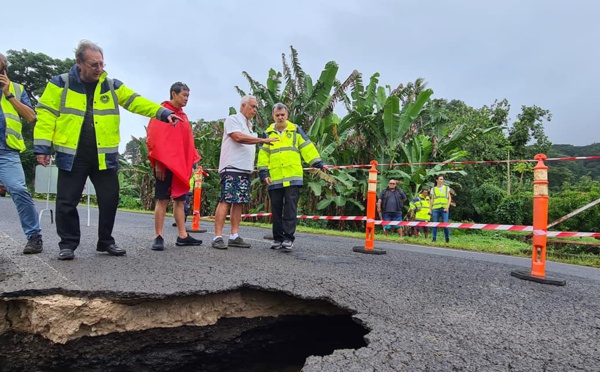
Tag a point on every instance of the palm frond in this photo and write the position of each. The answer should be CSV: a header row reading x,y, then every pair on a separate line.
x,y
240,92
298,72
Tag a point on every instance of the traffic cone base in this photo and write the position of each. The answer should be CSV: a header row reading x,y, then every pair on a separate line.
x,y
368,251
526,275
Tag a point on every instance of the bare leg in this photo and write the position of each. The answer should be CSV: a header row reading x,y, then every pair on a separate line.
x,y
179,214
220,215
159,215
235,218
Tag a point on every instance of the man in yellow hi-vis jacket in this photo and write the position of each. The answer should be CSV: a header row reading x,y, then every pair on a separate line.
x,y
78,114
280,166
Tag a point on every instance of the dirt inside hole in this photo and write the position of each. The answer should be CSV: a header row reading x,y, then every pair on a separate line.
x,y
239,339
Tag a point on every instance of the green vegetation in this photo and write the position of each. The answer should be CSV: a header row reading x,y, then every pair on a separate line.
x,y
352,122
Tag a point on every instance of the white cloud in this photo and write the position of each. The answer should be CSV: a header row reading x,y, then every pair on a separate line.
x,y
535,52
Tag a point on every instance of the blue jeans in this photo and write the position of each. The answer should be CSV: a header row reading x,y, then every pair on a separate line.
x,y
444,216
11,174
392,216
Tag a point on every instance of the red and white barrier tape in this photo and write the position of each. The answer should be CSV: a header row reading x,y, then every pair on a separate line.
x,y
452,225
452,162
460,162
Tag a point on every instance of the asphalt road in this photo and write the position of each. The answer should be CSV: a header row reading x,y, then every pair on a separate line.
x,y
427,308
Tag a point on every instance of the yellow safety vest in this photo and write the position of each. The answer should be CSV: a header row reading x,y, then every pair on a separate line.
x,y
421,206
283,159
13,136
441,197
61,111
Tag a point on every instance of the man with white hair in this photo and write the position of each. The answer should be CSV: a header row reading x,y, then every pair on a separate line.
x,y
236,163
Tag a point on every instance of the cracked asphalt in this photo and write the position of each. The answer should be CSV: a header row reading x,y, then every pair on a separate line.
x,y
427,308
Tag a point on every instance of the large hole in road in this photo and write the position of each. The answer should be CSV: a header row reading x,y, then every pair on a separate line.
x,y
242,330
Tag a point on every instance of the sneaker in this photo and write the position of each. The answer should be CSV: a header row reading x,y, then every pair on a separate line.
x,y
158,244
66,254
287,246
188,240
238,243
34,245
276,245
218,243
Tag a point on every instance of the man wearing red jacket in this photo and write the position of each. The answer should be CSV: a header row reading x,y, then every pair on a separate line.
x,y
172,154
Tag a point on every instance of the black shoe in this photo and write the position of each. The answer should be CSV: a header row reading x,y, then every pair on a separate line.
x,y
66,254
276,245
158,244
112,250
188,240
447,240
34,245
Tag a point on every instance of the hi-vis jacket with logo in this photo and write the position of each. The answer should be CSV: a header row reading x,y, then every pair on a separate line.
x,y
282,160
61,111
14,138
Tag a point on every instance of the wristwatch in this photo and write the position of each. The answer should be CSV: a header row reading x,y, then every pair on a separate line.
x,y
10,96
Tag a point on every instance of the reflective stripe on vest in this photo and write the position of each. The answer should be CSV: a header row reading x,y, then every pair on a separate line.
x,y
440,198
13,136
66,110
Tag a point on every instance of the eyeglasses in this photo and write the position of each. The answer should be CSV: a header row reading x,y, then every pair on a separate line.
x,y
96,65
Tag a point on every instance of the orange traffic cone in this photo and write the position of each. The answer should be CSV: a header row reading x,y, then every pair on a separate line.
x,y
540,227
371,201
197,196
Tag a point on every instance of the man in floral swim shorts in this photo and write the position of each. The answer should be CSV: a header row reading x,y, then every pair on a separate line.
x,y
238,150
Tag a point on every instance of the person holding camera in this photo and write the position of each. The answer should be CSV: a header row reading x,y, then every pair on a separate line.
x,y
15,105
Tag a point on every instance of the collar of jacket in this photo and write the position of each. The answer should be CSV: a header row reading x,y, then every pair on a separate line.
x,y
179,112
75,70
291,127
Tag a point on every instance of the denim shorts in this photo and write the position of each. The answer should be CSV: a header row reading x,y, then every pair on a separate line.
x,y
392,216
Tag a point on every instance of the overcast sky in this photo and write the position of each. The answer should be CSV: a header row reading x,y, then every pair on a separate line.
x,y
536,52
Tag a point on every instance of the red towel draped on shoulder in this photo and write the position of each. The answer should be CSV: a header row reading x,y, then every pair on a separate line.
x,y
174,147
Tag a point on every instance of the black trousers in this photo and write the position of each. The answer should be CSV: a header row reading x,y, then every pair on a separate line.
x,y
284,206
69,192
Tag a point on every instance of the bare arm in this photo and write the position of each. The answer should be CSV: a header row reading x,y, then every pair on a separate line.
x,y
245,139
23,110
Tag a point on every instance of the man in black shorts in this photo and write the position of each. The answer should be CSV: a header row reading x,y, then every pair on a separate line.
x,y
172,154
